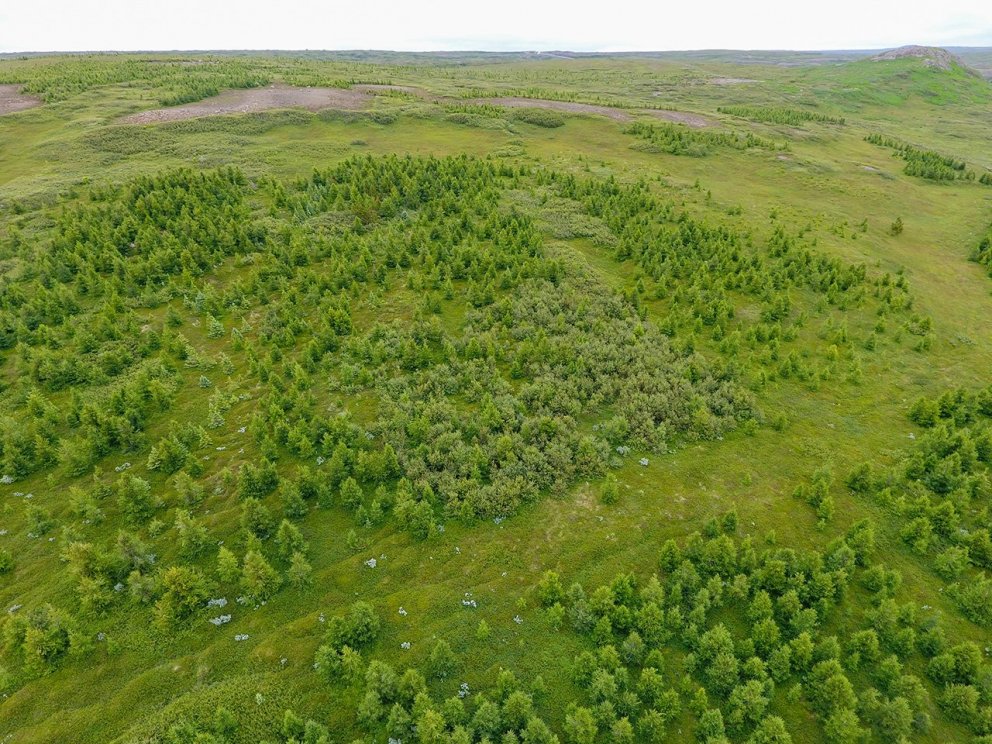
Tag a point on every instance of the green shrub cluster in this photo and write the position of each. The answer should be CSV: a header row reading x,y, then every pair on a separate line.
x,y
392,337
724,640
676,139
224,728
704,276
539,117
924,163
176,80
534,351
179,79
753,628
941,491
983,251
779,115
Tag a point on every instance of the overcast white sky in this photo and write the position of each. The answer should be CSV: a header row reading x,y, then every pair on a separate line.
x,y
605,25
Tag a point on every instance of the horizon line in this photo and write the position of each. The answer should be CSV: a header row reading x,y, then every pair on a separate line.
x,y
556,50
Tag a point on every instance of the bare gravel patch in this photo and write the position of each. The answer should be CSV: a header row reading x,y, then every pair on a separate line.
x,y
11,99
253,100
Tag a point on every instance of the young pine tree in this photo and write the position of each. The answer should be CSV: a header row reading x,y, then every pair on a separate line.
x,y
259,580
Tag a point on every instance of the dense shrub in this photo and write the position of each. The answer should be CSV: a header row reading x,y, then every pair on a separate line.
x,y
779,115
539,117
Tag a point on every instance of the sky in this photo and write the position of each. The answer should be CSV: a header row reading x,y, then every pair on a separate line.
x,y
500,25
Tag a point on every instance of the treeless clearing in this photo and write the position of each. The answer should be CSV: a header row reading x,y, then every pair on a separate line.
x,y
251,100
11,99
679,117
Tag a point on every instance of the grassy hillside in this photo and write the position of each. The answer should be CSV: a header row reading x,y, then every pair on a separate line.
x,y
444,421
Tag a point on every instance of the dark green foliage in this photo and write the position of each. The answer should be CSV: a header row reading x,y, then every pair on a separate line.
x,y
539,117
289,540
226,729
941,489
300,572
610,491
983,251
358,628
441,662
550,590
184,592
676,139
779,115
254,482
176,81
192,535
391,705
175,450
704,277
134,499
256,519
748,625
565,349
6,562
42,636
924,163
259,580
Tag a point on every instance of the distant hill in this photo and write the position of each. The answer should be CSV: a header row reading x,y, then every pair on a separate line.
x,y
977,58
970,58
932,57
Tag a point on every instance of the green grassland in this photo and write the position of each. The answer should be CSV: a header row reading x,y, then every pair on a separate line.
x,y
523,309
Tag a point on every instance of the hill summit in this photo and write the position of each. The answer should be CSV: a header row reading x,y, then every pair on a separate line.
x,y
931,56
